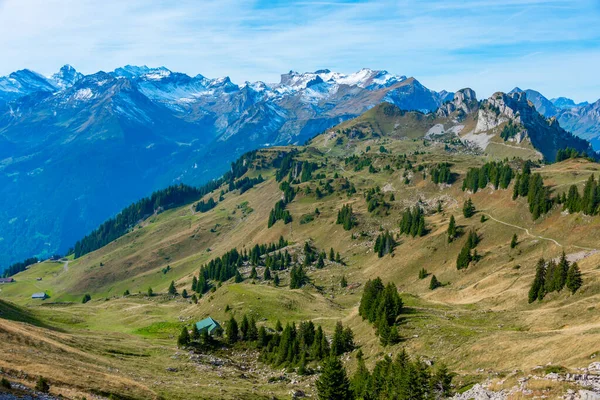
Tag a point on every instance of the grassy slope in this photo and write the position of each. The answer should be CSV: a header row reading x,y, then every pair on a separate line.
x,y
481,312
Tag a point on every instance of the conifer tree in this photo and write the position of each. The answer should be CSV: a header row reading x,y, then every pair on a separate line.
x,y
343,282
238,277
184,294
278,326
337,342
331,255
253,273
194,283
423,273
320,262
468,208
561,273
267,274
172,290
338,259
195,333
244,325
276,280
232,331
537,290
514,241
333,383
452,229
361,379
150,292
184,338
574,280
434,284
464,257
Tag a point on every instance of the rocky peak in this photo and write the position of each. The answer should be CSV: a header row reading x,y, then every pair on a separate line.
x,y
463,102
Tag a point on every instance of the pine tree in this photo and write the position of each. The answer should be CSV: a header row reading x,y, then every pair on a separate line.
x,y
195,333
361,380
338,259
253,273
574,280
464,257
267,274
150,292
172,291
331,255
184,338
514,241
423,273
232,331
238,277
537,290
343,282
276,280
434,284
337,342
184,294
468,208
320,262
252,329
333,383
194,283
452,229
86,298
561,273
441,383
126,293
278,326
244,325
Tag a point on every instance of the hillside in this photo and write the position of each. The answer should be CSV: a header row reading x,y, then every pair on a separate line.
x,y
136,129
127,343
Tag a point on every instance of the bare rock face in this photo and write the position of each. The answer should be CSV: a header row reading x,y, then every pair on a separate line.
x,y
464,102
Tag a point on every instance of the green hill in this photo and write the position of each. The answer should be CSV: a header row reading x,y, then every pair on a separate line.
x,y
381,164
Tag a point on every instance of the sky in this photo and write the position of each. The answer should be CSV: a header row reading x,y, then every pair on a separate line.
x,y
489,45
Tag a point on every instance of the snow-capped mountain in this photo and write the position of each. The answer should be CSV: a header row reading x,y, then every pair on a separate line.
x,y
75,149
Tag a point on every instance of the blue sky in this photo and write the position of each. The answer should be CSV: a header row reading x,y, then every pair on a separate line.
x,y
551,46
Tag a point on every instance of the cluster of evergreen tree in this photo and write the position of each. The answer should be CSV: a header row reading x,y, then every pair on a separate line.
x,y
298,277
381,305
441,173
551,277
359,163
284,165
398,379
296,346
375,199
568,152
19,267
279,212
499,174
509,131
222,268
345,217
307,169
465,256
245,183
532,186
203,206
413,222
588,203
384,244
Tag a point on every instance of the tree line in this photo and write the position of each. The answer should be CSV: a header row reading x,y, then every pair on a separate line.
x,y
440,173
19,267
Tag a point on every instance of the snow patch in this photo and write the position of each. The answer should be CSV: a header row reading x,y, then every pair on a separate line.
x,y
83,94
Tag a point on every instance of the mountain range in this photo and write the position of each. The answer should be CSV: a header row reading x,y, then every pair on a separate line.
x,y
75,149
